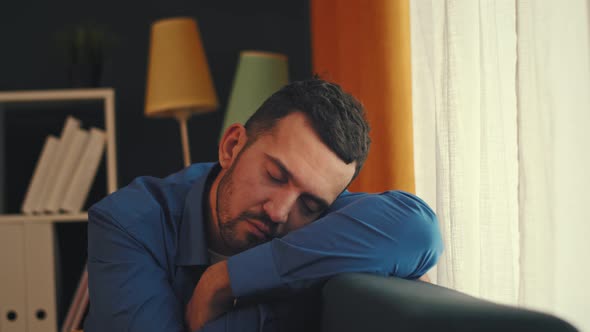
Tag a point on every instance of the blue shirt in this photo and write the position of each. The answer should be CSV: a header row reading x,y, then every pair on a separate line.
x,y
147,249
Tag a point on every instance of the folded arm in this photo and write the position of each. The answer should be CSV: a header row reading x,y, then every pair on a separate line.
x,y
390,234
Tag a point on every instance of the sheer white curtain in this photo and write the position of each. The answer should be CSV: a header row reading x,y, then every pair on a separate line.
x,y
536,105
471,50
501,116
559,36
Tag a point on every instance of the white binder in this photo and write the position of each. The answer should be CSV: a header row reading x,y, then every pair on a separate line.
x,y
69,163
82,178
66,139
40,175
13,317
40,278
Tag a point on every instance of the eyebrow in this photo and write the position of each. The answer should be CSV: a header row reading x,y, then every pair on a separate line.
x,y
318,200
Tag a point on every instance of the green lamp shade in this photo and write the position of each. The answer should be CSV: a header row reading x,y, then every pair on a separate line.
x,y
259,75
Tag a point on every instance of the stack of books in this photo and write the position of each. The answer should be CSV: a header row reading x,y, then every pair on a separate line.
x,y
65,170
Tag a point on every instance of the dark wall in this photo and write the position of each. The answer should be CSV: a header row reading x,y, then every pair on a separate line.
x,y
31,59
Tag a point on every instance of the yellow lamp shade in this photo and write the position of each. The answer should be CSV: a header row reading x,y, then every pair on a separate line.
x,y
179,81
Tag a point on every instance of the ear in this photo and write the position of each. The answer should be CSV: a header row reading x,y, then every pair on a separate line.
x,y
233,141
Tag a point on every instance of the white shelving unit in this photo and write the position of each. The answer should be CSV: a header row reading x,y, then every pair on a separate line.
x,y
27,242
107,96
43,218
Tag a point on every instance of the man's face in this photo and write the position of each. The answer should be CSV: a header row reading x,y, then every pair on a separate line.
x,y
279,183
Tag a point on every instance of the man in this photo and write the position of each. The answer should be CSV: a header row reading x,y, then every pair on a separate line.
x,y
201,248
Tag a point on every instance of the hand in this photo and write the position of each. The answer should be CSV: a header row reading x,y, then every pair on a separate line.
x,y
211,298
425,278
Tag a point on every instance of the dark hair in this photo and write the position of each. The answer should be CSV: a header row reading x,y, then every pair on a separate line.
x,y
336,116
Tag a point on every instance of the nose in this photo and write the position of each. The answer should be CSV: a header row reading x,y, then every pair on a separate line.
x,y
279,205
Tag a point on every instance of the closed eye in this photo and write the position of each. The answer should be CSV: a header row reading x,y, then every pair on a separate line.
x,y
311,207
275,179
306,210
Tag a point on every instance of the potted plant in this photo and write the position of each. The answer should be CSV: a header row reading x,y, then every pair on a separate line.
x,y
85,46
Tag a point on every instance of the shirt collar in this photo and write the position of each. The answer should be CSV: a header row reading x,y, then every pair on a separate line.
x,y
192,241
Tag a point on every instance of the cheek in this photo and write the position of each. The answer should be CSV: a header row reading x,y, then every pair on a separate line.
x,y
248,193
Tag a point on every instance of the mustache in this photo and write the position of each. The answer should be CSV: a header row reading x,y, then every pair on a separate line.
x,y
262,217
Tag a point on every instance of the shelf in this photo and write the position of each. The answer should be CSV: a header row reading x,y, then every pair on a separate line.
x,y
43,218
107,95
30,244
55,95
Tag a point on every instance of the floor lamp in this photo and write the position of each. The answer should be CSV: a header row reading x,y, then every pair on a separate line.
x,y
179,82
259,75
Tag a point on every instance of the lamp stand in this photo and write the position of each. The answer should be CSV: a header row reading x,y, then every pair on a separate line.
x,y
182,118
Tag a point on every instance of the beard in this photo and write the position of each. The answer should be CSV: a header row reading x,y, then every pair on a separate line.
x,y
228,226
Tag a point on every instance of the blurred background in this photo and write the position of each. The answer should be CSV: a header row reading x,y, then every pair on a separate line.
x,y
33,57
36,38
479,107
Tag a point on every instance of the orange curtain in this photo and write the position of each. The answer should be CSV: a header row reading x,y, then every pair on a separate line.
x,y
365,47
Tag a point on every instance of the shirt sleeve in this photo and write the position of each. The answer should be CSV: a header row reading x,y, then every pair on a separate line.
x,y
129,291
392,234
